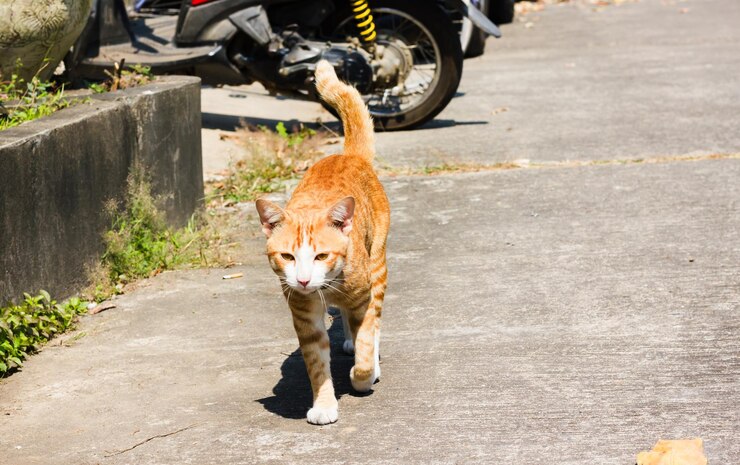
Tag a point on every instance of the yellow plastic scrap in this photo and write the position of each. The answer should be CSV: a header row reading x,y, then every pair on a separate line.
x,y
674,452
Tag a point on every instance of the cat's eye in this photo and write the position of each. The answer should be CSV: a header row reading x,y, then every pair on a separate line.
x,y
287,257
322,256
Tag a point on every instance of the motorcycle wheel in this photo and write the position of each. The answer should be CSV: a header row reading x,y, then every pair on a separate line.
x,y
472,39
426,35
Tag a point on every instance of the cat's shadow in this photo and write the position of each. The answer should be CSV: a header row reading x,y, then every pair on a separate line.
x,y
292,395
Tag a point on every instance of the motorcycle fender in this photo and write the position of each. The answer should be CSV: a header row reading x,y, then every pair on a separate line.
x,y
476,16
222,31
253,21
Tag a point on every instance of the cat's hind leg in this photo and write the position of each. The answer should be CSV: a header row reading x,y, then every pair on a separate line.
x,y
376,353
366,369
366,321
349,344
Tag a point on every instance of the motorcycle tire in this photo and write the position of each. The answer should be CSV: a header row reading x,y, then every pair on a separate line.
x,y
477,44
447,41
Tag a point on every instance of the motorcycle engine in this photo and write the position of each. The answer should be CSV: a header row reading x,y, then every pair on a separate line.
x,y
352,63
384,68
357,71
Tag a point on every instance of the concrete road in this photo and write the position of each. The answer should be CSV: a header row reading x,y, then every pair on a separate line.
x,y
571,314
636,80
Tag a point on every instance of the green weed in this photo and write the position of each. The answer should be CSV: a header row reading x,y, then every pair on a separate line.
x,y
294,138
97,88
29,101
125,77
26,327
140,244
22,101
272,160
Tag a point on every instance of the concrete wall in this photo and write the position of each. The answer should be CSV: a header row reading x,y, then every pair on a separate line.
x,y
57,173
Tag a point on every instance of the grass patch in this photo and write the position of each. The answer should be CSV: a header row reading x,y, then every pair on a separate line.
x,y
140,244
30,100
24,328
447,168
272,161
123,78
452,168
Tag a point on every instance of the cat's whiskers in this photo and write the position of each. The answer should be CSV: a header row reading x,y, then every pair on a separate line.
x,y
286,287
330,285
323,300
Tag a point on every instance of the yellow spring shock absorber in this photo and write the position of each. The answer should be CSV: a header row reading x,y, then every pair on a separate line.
x,y
365,24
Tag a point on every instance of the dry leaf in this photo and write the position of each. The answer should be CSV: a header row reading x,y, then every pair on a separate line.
x,y
101,307
674,452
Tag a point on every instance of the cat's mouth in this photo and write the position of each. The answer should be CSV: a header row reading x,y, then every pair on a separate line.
x,y
306,291
312,289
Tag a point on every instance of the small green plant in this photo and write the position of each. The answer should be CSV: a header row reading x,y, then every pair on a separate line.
x,y
271,162
145,71
24,328
294,138
30,100
97,87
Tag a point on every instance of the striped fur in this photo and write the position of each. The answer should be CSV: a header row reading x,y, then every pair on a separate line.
x,y
359,138
327,246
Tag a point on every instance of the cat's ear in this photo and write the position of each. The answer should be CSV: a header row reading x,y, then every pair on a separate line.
x,y
341,214
270,215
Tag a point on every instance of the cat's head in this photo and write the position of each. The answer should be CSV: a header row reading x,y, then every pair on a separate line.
x,y
307,249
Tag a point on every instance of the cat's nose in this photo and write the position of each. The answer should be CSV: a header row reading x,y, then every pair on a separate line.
x,y
303,283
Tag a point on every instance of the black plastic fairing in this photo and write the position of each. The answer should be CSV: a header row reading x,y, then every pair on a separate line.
x,y
193,20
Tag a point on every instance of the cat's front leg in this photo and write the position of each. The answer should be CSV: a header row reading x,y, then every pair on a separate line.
x,y
308,322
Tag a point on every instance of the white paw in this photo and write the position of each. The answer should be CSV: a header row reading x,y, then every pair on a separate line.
x,y
363,385
348,347
322,415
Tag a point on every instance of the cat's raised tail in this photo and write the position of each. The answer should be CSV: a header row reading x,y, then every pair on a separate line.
x,y
358,125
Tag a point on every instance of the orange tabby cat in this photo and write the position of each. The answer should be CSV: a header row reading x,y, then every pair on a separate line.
x,y
327,246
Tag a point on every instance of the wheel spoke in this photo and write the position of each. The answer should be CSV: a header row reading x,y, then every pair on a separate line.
x,y
396,28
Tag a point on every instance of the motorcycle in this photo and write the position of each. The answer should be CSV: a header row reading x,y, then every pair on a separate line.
x,y
403,56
